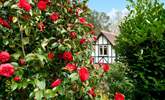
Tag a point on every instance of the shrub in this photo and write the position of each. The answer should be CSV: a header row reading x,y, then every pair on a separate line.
x,y
45,46
117,81
141,45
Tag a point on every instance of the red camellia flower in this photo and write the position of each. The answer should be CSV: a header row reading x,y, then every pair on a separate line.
x,y
73,35
82,41
56,83
50,55
41,26
92,92
22,61
42,5
119,96
82,20
70,67
67,56
17,78
4,56
4,23
54,16
6,70
24,4
83,73
105,67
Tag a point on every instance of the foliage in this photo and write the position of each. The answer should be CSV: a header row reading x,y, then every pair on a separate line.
x,y
49,43
141,45
100,20
117,81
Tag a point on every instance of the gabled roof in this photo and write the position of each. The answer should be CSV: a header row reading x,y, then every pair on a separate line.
x,y
111,37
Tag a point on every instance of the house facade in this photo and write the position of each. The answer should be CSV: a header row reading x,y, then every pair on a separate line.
x,y
104,48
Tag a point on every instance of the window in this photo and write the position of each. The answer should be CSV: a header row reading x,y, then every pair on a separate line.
x,y
103,50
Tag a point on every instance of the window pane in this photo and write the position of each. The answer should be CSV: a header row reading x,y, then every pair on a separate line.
x,y
101,50
105,51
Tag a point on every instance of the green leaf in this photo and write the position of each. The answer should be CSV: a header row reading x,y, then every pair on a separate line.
x,y
27,31
25,40
16,55
40,84
39,95
5,42
73,77
49,93
44,43
14,86
15,64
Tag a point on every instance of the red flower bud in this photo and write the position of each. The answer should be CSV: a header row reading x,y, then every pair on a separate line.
x,y
90,25
73,35
10,18
70,67
82,41
67,56
4,23
92,92
78,11
105,67
41,26
92,32
60,56
54,16
26,17
95,38
22,61
4,56
119,96
6,70
17,78
91,60
42,5
69,10
83,74
50,55
56,83
82,20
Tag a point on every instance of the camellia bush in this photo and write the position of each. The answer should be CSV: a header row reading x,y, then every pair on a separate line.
x,y
45,49
141,45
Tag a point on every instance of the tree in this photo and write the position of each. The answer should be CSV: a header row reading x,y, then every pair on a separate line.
x,y
141,44
45,46
101,21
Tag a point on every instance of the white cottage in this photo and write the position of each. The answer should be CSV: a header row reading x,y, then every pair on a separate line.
x,y
104,48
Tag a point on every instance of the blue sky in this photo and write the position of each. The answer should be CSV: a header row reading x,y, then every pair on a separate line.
x,y
108,5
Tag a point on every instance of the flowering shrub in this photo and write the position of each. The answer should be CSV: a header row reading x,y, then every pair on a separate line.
x,y
45,49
